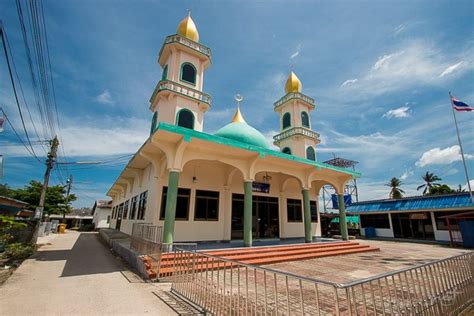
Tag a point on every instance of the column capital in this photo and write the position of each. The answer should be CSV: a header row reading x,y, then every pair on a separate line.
x,y
174,170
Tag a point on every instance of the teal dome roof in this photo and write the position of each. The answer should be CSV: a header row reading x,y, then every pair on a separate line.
x,y
240,131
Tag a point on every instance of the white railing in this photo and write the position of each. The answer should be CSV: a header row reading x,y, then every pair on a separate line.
x,y
296,131
181,89
189,43
227,287
294,95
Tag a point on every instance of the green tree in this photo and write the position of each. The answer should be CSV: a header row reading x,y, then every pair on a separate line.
x,y
395,191
5,190
55,201
441,189
430,182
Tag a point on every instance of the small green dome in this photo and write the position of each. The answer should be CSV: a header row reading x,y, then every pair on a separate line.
x,y
244,133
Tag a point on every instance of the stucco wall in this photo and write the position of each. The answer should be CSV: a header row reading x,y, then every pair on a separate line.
x,y
100,217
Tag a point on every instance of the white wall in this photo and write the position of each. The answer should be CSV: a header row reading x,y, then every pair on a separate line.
x,y
100,217
440,235
381,232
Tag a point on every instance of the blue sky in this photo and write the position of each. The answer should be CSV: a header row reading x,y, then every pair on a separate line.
x,y
380,72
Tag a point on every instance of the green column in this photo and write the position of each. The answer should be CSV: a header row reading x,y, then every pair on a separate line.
x,y
248,213
170,211
342,217
307,216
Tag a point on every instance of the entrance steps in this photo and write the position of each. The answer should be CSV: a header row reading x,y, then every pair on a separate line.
x,y
268,255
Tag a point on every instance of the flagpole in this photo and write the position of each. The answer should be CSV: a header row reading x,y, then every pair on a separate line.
x,y
460,147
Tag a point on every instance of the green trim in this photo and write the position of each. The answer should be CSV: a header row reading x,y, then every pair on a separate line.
x,y
283,127
248,213
186,110
170,210
342,217
181,74
233,143
153,122
164,75
307,216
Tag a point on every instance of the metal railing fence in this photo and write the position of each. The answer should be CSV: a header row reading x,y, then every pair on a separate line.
x,y
226,287
146,238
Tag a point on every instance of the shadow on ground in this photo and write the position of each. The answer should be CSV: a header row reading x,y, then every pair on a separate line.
x,y
87,256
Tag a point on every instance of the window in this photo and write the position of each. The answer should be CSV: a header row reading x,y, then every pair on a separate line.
x,y
305,119
286,121
207,206
310,154
188,73
133,207
313,205
185,118
113,212
442,223
120,211
294,210
108,219
142,205
375,220
182,204
153,122
286,150
125,210
164,76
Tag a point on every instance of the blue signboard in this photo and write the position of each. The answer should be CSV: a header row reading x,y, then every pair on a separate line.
x,y
261,187
335,201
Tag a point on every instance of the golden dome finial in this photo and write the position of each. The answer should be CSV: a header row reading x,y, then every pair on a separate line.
x,y
293,84
188,29
238,118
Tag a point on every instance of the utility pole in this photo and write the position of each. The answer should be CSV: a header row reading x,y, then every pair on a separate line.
x,y
69,183
54,143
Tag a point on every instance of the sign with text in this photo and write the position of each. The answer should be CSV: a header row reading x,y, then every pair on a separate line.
x,y
261,187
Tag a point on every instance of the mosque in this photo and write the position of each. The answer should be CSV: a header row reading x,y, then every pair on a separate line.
x,y
227,186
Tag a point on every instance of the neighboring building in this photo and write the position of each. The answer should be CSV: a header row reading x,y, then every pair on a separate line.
x,y
101,211
77,217
224,186
419,217
12,207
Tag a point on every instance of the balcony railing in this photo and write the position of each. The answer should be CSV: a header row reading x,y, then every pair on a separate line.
x,y
294,95
189,43
181,89
295,131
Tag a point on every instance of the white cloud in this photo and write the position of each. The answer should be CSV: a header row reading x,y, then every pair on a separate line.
x,y
105,97
269,136
349,82
297,52
406,175
438,156
451,69
465,187
398,113
384,61
402,27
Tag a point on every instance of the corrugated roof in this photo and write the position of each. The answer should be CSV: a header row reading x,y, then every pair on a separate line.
x,y
418,203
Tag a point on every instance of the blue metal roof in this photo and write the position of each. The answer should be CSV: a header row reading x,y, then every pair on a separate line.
x,y
418,203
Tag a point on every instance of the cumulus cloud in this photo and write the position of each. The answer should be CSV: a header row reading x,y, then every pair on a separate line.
x,y
451,69
297,52
349,82
104,98
401,112
406,175
438,156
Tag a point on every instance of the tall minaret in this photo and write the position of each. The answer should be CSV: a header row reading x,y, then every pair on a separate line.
x,y
296,136
178,98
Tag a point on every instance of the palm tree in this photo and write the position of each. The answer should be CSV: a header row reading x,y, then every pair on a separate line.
x,y
395,192
430,182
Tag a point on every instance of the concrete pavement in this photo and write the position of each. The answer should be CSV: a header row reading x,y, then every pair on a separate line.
x,y
77,275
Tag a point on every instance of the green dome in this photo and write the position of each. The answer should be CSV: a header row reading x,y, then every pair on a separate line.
x,y
244,133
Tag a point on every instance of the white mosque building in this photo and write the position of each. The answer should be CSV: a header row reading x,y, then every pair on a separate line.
x,y
227,186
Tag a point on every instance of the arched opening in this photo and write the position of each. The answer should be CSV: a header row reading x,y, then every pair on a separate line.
x,y
310,153
286,121
185,118
188,73
164,76
286,150
153,122
305,119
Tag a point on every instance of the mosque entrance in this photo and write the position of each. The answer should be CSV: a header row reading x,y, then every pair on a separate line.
x,y
265,218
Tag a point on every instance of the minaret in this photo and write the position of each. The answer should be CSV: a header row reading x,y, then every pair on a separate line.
x,y
296,136
178,98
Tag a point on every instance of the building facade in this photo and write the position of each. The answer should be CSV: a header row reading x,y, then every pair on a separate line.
x,y
101,212
224,186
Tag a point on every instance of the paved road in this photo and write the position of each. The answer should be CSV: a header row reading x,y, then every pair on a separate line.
x,y
76,274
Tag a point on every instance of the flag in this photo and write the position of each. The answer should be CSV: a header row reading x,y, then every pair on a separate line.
x,y
460,106
1,123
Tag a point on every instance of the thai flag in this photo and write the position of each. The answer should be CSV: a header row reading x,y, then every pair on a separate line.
x,y
460,106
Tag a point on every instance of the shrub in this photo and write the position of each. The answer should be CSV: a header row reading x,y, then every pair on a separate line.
x,y
18,251
86,228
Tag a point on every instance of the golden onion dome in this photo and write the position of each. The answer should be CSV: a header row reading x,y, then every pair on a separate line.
x,y
188,29
293,84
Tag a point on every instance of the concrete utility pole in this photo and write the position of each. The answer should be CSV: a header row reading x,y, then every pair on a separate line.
x,y
69,184
49,166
